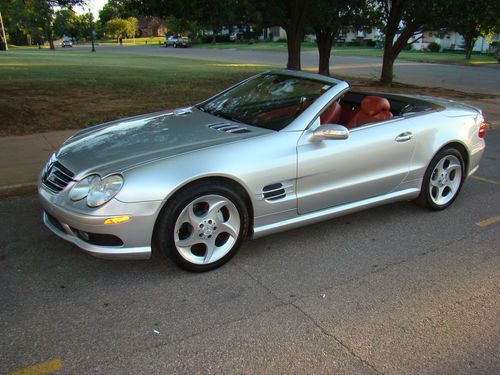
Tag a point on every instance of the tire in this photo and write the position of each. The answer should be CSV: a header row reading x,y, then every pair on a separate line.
x,y
443,180
202,226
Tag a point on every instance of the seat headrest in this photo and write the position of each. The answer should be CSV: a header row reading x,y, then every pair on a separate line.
x,y
372,105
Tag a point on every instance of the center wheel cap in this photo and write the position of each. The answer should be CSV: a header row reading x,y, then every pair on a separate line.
x,y
207,228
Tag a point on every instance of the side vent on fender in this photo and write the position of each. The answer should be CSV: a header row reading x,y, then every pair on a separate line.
x,y
276,191
228,128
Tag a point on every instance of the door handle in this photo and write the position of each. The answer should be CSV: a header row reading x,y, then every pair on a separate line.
x,y
403,137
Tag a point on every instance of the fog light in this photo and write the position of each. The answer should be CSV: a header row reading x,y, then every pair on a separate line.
x,y
117,220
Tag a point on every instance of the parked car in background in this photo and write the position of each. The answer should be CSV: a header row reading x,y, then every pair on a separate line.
x,y
177,41
277,151
66,43
235,36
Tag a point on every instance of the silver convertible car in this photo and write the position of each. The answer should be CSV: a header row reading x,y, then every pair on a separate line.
x,y
277,151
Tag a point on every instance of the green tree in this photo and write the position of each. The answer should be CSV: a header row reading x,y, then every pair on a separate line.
x,y
401,20
133,26
214,14
328,19
472,19
291,15
113,9
119,28
66,22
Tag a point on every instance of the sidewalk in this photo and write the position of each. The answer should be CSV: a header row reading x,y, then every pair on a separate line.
x,y
23,157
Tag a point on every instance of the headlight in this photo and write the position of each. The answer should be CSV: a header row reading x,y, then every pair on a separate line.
x,y
81,189
98,191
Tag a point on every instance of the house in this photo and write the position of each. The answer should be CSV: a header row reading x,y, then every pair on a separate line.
x,y
152,26
362,37
452,41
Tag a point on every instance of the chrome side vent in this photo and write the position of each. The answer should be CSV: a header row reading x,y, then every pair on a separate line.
x,y
228,128
276,191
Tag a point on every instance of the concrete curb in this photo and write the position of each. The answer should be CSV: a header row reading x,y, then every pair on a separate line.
x,y
18,190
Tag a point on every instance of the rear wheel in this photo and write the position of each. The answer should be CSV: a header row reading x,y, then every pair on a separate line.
x,y
202,226
442,180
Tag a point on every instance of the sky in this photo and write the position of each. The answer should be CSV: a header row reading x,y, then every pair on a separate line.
x,y
95,6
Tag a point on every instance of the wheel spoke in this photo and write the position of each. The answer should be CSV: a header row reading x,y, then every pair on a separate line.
x,y
434,182
210,244
440,166
229,228
440,192
187,242
188,216
215,207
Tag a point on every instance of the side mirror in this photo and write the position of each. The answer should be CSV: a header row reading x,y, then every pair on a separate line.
x,y
330,131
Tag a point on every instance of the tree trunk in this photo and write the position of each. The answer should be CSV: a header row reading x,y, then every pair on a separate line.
x,y
51,43
293,41
324,39
469,45
295,32
389,55
214,35
387,67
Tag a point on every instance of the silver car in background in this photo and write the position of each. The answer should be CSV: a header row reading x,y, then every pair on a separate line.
x,y
277,151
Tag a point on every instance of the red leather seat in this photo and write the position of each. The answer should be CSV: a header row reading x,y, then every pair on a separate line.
x,y
332,114
373,109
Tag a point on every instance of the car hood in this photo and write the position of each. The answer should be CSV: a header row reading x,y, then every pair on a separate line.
x,y
119,145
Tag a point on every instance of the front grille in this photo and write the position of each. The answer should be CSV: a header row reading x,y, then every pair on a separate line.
x,y
57,177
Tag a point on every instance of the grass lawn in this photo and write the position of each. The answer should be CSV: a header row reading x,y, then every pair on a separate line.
x,y
440,57
45,90
42,90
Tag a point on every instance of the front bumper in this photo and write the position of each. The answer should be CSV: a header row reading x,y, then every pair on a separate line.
x,y
129,240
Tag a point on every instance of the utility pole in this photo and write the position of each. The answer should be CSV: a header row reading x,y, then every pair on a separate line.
x,y
3,33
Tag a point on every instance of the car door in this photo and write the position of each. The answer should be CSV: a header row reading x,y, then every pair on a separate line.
x,y
372,161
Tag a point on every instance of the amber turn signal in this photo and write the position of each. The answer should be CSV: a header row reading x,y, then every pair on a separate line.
x,y
117,220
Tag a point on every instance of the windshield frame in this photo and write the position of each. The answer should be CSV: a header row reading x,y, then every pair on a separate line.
x,y
335,87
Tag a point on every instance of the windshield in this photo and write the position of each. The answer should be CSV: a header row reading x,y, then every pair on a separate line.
x,y
270,101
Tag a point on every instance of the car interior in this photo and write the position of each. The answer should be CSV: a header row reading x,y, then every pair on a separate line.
x,y
352,110
355,109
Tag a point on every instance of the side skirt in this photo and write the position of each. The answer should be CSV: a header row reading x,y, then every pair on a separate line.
x,y
330,213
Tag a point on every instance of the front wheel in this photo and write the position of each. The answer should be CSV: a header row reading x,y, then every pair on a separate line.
x,y
202,226
442,180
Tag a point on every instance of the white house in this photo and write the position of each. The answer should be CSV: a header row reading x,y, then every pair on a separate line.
x,y
451,41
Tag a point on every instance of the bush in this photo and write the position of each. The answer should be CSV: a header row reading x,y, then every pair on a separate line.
x,y
434,47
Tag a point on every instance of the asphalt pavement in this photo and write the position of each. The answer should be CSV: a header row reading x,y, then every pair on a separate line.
x,y
473,79
396,290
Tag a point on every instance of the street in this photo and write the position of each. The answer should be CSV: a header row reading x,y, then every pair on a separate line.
x,y
395,290
474,79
